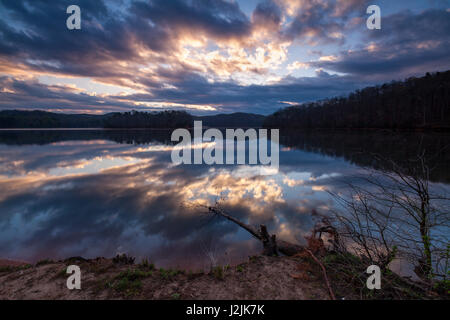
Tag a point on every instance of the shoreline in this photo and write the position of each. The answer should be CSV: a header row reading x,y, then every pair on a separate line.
x,y
298,277
260,278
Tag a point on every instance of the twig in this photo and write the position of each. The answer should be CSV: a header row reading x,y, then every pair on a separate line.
x,y
324,274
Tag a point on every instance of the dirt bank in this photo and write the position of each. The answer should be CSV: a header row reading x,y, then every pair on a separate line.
x,y
300,277
260,278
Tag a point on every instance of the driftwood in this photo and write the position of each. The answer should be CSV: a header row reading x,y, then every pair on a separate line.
x,y
271,245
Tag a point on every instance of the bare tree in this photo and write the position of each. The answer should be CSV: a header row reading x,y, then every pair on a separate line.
x,y
395,212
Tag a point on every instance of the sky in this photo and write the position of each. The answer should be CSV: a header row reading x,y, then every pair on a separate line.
x,y
210,56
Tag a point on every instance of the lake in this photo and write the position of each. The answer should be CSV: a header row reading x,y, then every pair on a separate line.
x,y
94,193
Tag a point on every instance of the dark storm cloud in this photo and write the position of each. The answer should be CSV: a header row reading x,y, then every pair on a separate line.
x,y
267,14
408,44
324,21
36,31
216,18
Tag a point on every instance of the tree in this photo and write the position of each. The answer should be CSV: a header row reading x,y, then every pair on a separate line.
x,y
396,213
413,103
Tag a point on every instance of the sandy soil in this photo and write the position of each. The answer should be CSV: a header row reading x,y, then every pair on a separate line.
x,y
260,278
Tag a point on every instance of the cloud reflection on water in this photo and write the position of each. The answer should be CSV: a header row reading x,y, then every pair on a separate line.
x,y
97,197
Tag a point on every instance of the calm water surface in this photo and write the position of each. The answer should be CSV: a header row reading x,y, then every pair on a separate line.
x,y
97,193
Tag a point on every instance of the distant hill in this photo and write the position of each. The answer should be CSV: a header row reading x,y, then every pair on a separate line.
x,y
42,119
233,120
416,103
133,119
155,120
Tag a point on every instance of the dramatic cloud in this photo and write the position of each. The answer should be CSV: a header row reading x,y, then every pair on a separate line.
x,y
189,94
408,44
317,21
209,55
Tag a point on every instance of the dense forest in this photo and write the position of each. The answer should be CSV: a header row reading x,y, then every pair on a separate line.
x,y
416,103
135,119
181,119
42,119
126,120
233,120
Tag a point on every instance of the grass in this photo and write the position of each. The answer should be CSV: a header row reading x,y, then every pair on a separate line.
x,y
134,274
62,273
442,287
146,265
129,288
43,262
218,272
100,269
348,276
168,274
6,269
129,282
176,296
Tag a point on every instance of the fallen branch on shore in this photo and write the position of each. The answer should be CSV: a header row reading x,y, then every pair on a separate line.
x,y
346,270
271,245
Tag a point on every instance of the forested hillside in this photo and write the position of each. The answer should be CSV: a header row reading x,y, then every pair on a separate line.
x,y
135,119
233,120
42,119
125,120
410,104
